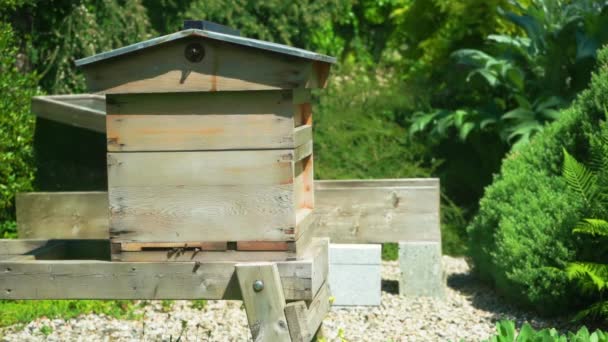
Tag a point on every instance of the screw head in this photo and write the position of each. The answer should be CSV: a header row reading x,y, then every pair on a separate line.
x,y
258,285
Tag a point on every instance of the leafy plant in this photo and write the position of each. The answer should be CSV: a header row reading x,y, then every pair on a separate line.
x,y
591,277
520,84
16,129
506,332
526,216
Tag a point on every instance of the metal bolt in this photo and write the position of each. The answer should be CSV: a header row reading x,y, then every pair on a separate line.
x,y
258,285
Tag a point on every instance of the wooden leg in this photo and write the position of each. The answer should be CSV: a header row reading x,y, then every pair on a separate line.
x,y
264,301
296,313
305,323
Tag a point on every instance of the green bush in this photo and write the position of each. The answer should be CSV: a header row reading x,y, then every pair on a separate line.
x,y
506,333
16,129
526,215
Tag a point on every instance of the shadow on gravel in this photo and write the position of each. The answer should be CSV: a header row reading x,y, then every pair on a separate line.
x,y
390,286
484,298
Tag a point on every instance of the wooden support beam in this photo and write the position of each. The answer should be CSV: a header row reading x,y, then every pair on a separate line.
x,y
264,301
362,211
85,111
296,315
96,279
304,322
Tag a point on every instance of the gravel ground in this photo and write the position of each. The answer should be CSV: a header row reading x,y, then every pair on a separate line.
x,y
468,312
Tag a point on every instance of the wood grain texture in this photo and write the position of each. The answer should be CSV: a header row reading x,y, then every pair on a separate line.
x,y
296,315
51,215
378,211
346,211
200,168
204,121
85,111
266,308
202,196
225,67
86,279
318,308
209,213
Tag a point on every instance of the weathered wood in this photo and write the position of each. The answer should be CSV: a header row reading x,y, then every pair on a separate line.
x,y
265,307
304,322
346,211
212,213
85,111
318,251
296,315
378,211
164,68
55,215
302,134
318,308
210,196
84,277
200,168
21,246
303,183
204,121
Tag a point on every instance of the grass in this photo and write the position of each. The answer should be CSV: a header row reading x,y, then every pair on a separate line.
x,y
24,311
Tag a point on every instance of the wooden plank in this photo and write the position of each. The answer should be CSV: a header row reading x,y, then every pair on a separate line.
x,y
296,315
378,211
212,213
207,196
201,121
224,67
17,247
56,215
318,251
318,308
302,135
85,111
263,167
265,306
346,211
303,184
88,279
303,151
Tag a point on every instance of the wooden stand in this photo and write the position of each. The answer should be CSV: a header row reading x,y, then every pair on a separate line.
x,y
79,269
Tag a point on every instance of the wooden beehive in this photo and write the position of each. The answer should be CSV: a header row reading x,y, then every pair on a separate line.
x,y
209,146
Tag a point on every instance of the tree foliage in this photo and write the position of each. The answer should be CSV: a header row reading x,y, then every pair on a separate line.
x,y
16,127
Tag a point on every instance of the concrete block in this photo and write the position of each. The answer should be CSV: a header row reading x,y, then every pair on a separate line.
x,y
421,269
354,274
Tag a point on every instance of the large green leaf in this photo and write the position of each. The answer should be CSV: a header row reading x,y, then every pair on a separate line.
x,y
580,179
592,227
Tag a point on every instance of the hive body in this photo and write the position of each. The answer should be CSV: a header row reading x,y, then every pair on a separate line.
x,y
209,155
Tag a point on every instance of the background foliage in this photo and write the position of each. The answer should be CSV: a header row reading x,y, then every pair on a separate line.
x,y
523,229
442,88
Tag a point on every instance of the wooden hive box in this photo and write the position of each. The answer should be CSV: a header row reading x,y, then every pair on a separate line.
x,y
209,139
